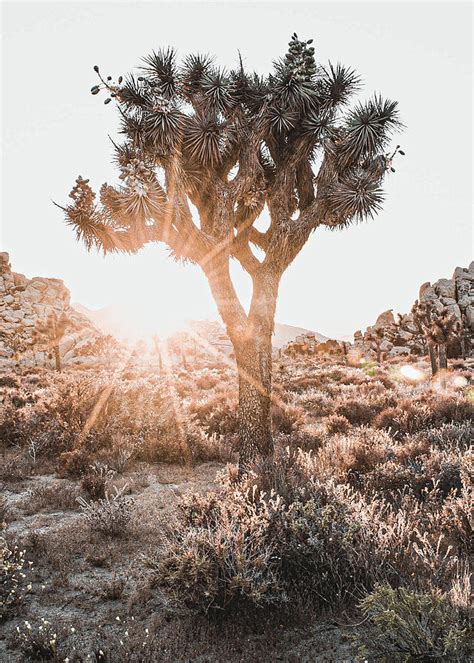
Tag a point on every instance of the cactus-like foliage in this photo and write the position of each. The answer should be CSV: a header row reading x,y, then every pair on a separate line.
x,y
49,333
439,326
197,121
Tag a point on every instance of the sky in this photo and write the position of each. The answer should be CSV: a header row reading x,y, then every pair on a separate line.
x,y
53,129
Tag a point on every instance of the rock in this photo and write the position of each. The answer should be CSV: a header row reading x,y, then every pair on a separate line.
x,y
428,293
455,295
399,350
25,301
470,316
405,335
385,319
19,280
4,260
423,289
67,344
39,283
445,288
448,301
385,346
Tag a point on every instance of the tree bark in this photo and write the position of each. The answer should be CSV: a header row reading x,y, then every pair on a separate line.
x,y
433,360
251,337
57,358
443,361
254,366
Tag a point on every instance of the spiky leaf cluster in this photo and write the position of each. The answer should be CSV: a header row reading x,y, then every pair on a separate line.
x,y
439,323
199,125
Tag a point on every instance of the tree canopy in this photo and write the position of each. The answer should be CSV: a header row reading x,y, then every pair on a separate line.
x,y
229,143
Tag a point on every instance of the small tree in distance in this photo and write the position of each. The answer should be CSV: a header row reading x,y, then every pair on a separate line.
x,y
231,144
440,327
49,333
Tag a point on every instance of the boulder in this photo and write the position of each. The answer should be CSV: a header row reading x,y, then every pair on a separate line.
x,y
19,280
399,350
445,288
385,319
25,301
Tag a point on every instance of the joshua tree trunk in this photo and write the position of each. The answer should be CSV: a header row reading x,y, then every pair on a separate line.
x,y
443,361
254,366
433,359
251,337
57,358
443,364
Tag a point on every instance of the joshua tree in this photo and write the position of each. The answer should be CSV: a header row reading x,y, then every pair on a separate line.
x,y
50,332
440,326
16,343
375,337
157,349
232,144
105,346
418,315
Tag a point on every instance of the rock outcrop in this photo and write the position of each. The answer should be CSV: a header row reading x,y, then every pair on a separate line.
x,y
397,337
24,302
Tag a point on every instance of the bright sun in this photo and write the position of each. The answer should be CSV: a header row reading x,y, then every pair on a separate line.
x,y
136,319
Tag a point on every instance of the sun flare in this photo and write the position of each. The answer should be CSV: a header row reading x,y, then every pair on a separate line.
x,y
411,373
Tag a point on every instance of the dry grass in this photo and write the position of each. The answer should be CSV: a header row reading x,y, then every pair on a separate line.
x,y
366,506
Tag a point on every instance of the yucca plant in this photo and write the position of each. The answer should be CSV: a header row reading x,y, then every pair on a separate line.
x,y
49,333
440,327
231,143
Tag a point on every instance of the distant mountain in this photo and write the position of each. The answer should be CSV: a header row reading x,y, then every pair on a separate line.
x,y
285,333
111,320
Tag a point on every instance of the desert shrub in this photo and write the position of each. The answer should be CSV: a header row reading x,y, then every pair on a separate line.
x,y
405,419
95,482
112,588
13,580
409,626
15,468
314,403
336,424
74,463
9,381
308,437
58,495
4,511
287,473
458,435
357,412
220,556
110,516
40,642
347,457
201,447
250,545
206,380
285,419
451,409
216,414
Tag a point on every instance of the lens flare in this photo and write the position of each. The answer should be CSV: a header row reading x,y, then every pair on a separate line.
x,y
411,373
459,381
